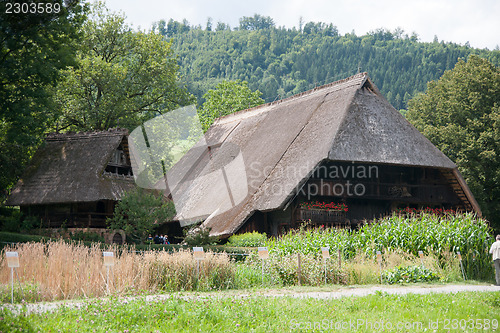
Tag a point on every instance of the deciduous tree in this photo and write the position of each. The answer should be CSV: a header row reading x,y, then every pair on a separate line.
x,y
256,22
139,211
123,77
34,46
460,114
228,97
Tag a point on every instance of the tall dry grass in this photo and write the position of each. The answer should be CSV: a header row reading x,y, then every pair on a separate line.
x,y
64,271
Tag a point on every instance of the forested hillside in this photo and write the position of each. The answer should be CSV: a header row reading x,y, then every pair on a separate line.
x,y
280,62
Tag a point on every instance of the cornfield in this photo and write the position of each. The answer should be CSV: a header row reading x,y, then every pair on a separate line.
x,y
432,234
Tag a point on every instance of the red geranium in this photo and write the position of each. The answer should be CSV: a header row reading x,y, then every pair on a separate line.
x,y
339,207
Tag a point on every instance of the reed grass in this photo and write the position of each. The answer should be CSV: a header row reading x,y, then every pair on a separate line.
x,y
64,271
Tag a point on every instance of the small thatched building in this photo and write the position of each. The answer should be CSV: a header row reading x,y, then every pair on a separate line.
x,y
75,179
340,144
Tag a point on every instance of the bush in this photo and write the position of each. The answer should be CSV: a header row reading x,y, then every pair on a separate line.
x,y
249,239
87,237
409,274
11,222
12,237
139,211
30,222
197,236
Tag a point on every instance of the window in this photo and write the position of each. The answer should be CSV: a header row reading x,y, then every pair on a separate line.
x,y
118,163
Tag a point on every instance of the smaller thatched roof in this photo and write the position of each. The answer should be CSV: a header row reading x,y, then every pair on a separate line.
x,y
70,168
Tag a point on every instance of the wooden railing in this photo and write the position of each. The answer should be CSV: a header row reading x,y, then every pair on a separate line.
x,y
322,216
89,219
411,193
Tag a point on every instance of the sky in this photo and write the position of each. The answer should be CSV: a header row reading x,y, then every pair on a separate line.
x,y
458,21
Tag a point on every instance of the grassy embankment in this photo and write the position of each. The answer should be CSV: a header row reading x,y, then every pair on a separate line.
x,y
191,313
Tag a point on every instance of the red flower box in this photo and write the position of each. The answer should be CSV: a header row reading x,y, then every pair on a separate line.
x,y
338,207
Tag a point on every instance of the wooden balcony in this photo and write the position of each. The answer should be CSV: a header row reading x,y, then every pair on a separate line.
x,y
76,220
328,218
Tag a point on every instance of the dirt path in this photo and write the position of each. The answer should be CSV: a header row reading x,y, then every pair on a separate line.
x,y
337,292
396,290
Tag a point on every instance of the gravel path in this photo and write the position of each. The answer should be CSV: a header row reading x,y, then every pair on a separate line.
x,y
334,294
396,290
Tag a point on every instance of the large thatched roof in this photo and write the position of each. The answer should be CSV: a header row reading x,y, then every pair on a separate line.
x,y
270,150
70,168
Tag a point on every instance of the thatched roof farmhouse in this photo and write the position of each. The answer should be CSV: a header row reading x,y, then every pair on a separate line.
x,y
76,178
308,148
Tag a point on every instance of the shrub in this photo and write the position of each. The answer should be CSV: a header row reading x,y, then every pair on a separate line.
x,y
139,211
12,237
249,239
87,237
30,222
409,274
12,223
198,235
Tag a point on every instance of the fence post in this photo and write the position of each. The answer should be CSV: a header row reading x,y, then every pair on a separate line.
x,y
108,263
12,262
325,252
198,255
299,268
263,255
12,284
379,259
461,266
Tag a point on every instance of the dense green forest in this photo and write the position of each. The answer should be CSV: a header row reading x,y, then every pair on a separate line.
x,y
280,61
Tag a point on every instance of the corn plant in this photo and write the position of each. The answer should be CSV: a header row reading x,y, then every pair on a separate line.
x,y
430,233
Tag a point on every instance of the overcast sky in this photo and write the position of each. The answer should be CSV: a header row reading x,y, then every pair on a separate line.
x,y
459,21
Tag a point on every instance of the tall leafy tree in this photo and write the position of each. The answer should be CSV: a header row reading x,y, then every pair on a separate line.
x,y
34,46
139,212
256,22
228,97
460,114
123,77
